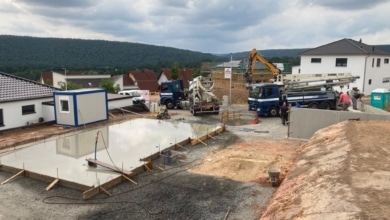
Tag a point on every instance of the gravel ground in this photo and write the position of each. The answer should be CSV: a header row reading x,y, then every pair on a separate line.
x,y
171,194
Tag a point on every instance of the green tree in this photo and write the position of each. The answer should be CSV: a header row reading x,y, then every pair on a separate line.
x,y
48,82
196,73
117,88
107,84
71,86
175,70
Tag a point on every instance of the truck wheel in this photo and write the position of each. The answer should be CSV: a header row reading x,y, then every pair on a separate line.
x,y
313,105
325,105
216,113
273,111
169,104
193,113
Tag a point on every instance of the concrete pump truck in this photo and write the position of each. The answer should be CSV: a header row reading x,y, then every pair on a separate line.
x,y
307,90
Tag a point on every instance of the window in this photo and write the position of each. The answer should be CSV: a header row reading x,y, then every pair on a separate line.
x,y
64,104
386,80
164,87
341,62
386,61
369,82
1,118
316,60
268,92
378,62
28,109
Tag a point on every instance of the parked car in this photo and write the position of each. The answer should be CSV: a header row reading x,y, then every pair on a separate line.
x,y
134,94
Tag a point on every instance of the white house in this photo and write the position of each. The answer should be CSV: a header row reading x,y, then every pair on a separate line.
x,y
56,79
24,102
347,55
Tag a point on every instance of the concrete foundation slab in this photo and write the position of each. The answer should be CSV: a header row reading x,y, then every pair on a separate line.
x,y
120,145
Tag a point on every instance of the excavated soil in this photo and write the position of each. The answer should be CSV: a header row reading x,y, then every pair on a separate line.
x,y
342,173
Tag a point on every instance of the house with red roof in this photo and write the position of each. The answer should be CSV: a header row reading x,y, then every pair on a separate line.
x,y
144,79
184,74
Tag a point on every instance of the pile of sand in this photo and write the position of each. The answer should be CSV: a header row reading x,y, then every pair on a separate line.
x,y
342,173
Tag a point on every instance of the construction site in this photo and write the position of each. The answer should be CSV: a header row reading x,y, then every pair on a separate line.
x,y
197,157
217,171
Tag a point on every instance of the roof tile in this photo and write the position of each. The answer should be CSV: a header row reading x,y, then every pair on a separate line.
x,y
13,88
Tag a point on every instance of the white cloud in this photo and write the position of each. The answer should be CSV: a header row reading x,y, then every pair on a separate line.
x,y
214,26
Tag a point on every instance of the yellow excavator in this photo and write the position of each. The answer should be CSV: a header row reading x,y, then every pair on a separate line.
x,y
253,57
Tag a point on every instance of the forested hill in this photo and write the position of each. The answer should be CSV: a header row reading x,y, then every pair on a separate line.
x,y
295,53
57,52
30,56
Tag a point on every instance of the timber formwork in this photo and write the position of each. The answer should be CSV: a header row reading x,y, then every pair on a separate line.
x,y
88,191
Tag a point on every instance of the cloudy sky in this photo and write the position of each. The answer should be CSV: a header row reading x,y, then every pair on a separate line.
x,y
213,26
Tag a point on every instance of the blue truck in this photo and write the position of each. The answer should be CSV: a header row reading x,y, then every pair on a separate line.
x,y
199,99
305,90
266,99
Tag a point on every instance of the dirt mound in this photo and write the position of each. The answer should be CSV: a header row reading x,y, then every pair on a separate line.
x,y
249,161
342,173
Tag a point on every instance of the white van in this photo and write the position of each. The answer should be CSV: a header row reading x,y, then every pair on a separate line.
x,y
134,94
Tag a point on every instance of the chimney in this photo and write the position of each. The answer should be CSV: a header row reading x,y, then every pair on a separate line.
x,y
373,48
360,40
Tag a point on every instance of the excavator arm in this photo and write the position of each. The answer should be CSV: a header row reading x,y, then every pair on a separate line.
x,y
253,57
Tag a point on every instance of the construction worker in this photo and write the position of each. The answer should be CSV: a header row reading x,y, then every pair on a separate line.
x,y
283,112
344,101
352,96
358,97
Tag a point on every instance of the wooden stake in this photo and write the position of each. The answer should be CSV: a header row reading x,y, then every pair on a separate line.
x,y
129,179
227,213
147,168
13,177
104,190
160,168
181,146
202,142
55,181
209,135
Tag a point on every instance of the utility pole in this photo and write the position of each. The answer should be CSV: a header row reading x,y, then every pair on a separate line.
x,y
66,81
231,75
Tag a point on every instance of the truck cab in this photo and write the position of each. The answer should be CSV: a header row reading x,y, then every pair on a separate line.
x,y
264,98
171,93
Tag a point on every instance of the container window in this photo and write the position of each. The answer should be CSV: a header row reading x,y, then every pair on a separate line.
x,y
64,104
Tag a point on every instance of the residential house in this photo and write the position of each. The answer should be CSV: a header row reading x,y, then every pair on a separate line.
x,y
128,82
349,56
24,102
144,79
184,74
56,79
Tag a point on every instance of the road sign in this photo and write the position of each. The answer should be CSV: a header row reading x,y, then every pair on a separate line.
x,y
228,73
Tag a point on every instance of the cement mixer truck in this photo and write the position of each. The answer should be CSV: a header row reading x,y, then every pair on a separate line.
x,y
199,98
